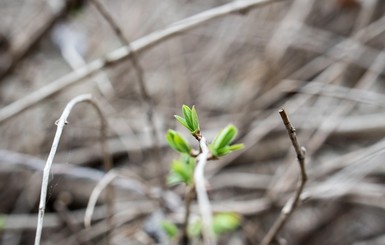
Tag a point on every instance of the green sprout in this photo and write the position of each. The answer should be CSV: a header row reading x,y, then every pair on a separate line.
x,y
190,120
195,228
169,228
225,222
221,144
177,142
182,171
222,223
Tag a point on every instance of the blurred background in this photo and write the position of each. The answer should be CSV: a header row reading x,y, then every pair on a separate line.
x,y
239,63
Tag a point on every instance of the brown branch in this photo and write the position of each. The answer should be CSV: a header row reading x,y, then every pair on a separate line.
x,y
290,206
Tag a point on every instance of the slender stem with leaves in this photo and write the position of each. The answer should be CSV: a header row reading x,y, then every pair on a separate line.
x,y
189,170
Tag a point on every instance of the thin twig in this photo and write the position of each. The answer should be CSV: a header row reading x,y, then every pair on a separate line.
x,y
121,54
203,199
290,206
343,50
189,196
95,195
329,124
107,163
60,127
338,51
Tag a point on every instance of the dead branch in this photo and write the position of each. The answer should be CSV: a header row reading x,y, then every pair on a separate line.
x,y
289,207
47,169
109,177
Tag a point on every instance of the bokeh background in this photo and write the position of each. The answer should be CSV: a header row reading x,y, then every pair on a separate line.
x,y
323,61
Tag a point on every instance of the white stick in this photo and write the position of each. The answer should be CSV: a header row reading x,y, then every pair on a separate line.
x,y
110,176
203,199
43,194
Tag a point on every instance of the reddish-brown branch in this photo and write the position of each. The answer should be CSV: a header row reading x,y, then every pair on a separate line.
x,y
290,206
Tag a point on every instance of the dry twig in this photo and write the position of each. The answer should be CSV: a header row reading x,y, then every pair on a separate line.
x,y
95,195
47,169
343,49
289,207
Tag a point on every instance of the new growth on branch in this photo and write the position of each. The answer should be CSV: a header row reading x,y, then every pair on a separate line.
x,y
186,170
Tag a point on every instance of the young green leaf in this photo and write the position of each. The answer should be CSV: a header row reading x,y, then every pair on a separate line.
x,y
230,133
222,151
187,116
182,144
225,136
170,139
190,120
194,229
177,142
182,171
188,160
173,179
221,144
195,120
225,222
182,121
236,147
170,228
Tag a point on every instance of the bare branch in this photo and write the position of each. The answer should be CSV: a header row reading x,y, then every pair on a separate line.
x,y
95,195
290,206
47,169
203,200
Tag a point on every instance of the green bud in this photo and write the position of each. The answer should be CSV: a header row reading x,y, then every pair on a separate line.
x,y
182,171
225,222
177,142
190,120
170,228
221,144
